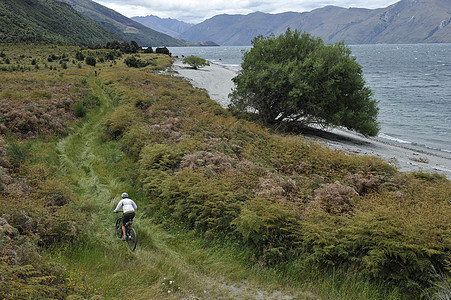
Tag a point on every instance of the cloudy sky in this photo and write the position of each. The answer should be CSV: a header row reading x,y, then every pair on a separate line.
x,y
196,11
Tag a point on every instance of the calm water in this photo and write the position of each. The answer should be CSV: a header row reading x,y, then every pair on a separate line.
x,y
411,82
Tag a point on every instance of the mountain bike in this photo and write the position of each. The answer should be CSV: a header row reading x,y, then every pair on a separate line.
x,y
130,234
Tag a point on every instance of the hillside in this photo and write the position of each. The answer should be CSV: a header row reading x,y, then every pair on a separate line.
x,y
122,26
407,21
37,21
227,209
168,26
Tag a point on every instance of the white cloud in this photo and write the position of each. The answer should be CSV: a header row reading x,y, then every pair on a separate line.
x,y
195,11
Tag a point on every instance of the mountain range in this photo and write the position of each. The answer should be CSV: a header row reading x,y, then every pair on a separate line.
x,y
407,21
85,22
167,26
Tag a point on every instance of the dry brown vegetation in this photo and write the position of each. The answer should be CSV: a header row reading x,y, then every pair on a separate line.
x,y
36,105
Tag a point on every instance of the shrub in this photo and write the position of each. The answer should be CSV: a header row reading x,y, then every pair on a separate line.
x,y
134,62
79,109
112,55
91,61
159,157
131,61
79,56
118,122
195,62
365,183
156,163
218,162
18,152
334,198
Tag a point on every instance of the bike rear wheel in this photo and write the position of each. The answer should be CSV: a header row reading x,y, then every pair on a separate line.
x,y
132,239
119,228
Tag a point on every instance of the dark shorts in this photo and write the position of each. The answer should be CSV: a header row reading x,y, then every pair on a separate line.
x,y
127,217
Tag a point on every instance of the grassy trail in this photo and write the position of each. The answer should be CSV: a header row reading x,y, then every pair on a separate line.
x,y
103,260
164,266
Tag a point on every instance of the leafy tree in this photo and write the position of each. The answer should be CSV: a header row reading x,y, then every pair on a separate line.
x,y
134,47
163,50
113,45
195,61
296,77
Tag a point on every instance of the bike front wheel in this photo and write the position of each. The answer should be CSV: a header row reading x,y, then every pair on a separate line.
x,y
132,239
119,228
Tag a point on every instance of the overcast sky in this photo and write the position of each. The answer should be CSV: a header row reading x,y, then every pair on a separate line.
x,y
196,11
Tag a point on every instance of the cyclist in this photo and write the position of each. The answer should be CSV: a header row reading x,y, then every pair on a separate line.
x,y
128,207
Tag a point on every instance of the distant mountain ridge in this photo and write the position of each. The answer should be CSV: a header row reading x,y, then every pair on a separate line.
x,y
407,21
171,27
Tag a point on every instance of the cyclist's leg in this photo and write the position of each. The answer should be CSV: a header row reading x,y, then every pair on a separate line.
x,y
127,217
123,230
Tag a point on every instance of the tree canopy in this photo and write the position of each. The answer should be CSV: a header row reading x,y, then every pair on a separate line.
x,y
195,61
295,77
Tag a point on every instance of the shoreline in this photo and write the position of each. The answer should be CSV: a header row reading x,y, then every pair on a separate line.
x,y
217,80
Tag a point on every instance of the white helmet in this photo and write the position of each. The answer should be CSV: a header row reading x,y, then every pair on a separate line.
x,y
124,195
